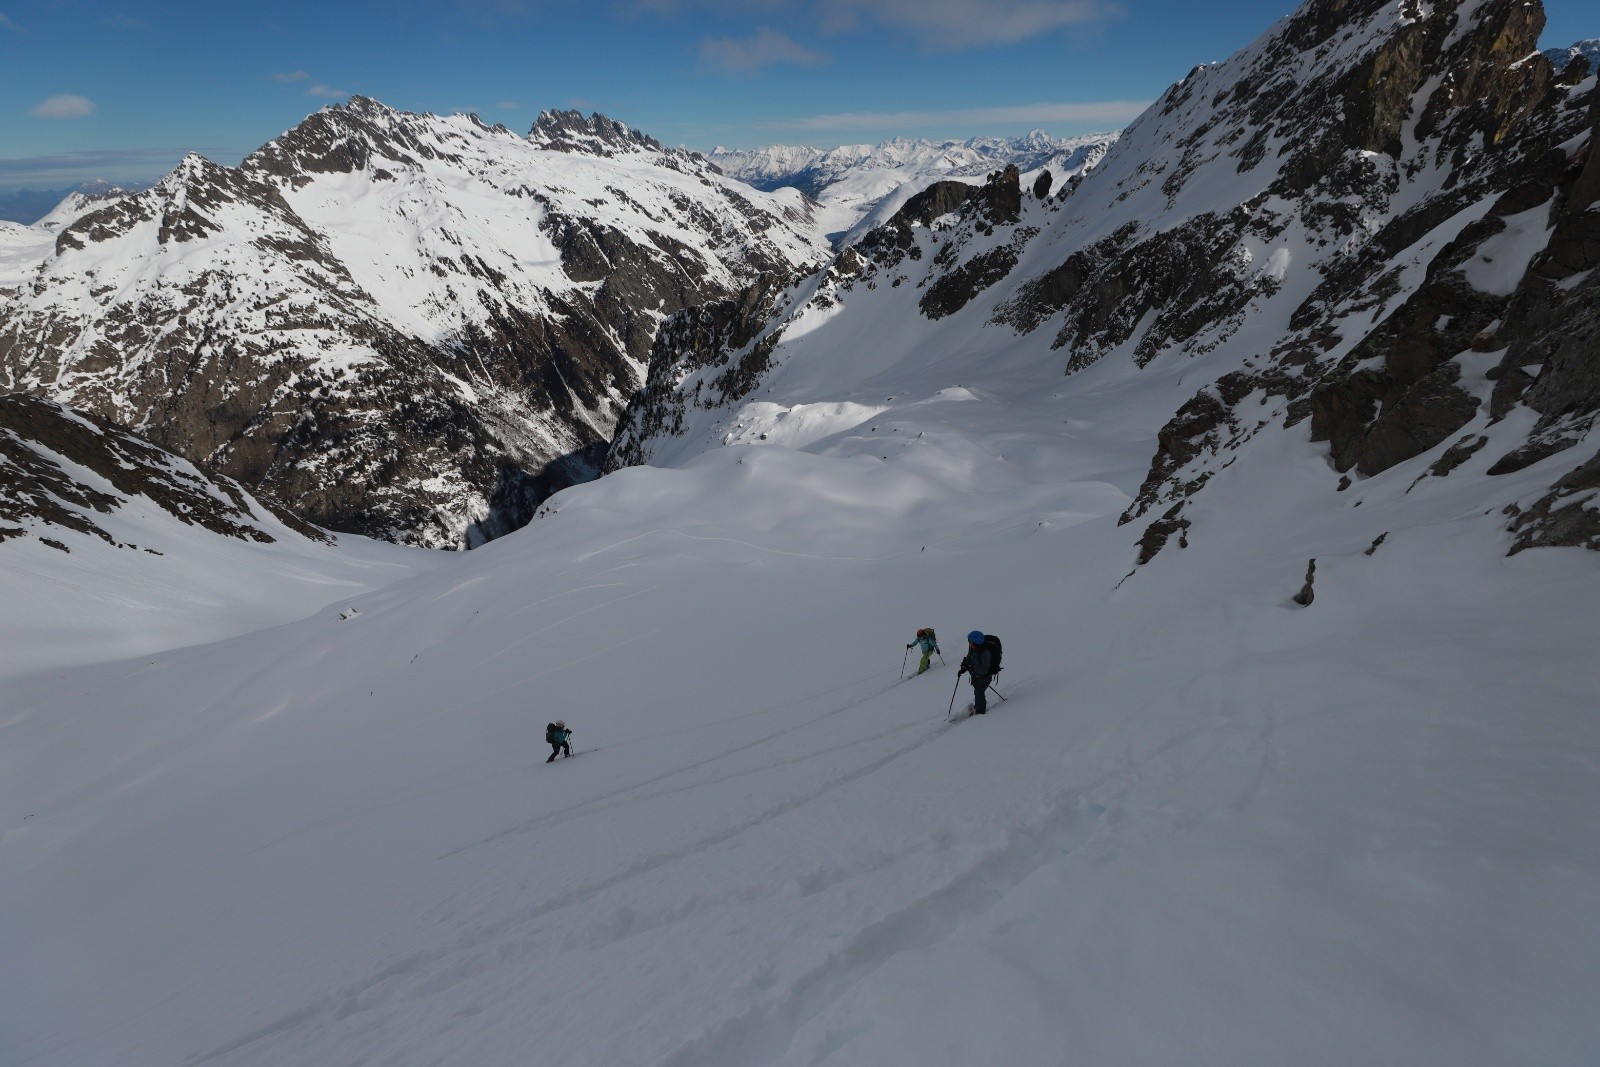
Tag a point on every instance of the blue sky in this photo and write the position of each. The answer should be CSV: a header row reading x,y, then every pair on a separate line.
x,y
120,89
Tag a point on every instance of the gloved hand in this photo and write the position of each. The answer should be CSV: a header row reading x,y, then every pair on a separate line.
x,y
960,671
908,648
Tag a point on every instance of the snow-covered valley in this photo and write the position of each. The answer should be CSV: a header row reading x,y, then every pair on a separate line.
x,y
1207,826
1266,445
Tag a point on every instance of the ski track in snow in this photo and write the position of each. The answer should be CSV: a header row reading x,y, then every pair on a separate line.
x,y
764,1030
1207,826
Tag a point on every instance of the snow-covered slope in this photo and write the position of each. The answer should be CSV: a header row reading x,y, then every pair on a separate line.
x,y
852,182
110,547
406,325
21,249
1235,810
1206,827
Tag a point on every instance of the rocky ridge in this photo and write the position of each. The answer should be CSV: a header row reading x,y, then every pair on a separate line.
x,y
64,470
408,326
1373,226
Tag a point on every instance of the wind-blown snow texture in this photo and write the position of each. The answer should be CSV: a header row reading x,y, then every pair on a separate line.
x,y
1209,825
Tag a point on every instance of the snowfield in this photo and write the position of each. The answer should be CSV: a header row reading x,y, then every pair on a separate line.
x,y
288,804
1206,826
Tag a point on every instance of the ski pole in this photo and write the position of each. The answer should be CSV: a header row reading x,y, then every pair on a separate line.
x,y
951,710
997,692
904,660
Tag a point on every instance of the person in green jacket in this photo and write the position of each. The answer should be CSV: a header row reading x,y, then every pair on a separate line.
x,y
928,641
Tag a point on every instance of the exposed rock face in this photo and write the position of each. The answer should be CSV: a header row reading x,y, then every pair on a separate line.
x,y
956,239
1552,360
1420,196
1375,227
401,325
569,131
65,470
729,342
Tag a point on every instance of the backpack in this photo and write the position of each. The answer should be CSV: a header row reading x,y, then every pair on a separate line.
x,y
549,733
992,643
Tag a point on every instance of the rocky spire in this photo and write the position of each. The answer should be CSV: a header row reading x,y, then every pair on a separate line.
x,y
569,131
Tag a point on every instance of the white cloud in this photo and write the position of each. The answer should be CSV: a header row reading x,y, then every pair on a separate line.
x,y
940,25
132,167
951,25
1112,114
326,92
65,106
766,48
290,76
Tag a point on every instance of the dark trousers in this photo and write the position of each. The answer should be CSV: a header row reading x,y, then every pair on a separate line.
x,y
557,748
980,693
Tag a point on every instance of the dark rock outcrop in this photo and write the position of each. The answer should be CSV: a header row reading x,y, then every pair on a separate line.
x,y
1385,390
67,470
725,346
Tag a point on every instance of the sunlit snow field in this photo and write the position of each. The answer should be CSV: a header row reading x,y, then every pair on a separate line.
x,y
1207,826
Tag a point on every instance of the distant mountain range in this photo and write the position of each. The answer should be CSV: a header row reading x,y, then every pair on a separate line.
x,y
28,206
1589,50
851,181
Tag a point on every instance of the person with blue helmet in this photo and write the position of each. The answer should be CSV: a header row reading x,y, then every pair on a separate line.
x,y
979,663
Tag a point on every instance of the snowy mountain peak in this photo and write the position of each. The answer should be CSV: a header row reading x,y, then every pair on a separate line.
x,y
365,134
813,170
373,277
80,201
569,131
1588,51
